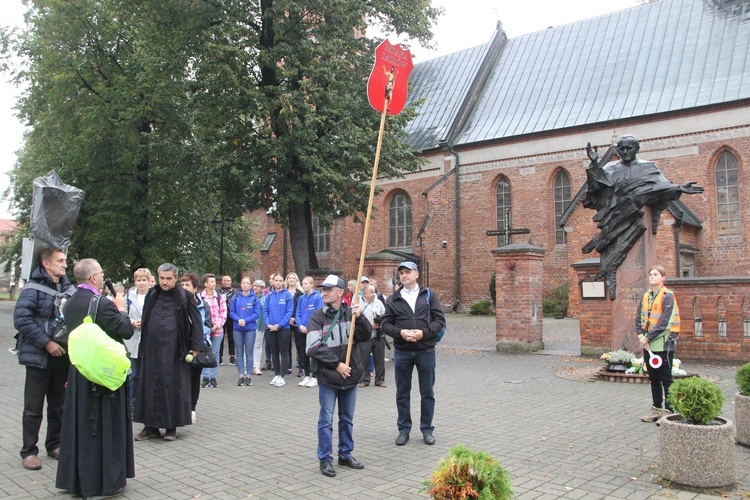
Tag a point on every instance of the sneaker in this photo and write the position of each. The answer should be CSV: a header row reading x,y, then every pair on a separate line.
x,y
301,372
193,418
312,383
268,366
221,363
274,380
280,382
257,372
147,433
304,382
205,383
656,414
232,361
170,435
213,383
241,382
288,371
248,381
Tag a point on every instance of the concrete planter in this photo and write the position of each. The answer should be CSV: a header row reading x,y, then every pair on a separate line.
x,y
742,418
701,456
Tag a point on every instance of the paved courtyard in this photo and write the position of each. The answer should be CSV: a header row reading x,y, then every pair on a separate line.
x,y
558,438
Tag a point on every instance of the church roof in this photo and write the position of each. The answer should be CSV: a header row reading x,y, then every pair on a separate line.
x,y
655,58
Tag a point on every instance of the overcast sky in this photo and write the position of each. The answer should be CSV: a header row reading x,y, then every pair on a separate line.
x,y
465,23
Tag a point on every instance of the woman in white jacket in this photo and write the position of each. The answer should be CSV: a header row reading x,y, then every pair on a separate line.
x,y
136,298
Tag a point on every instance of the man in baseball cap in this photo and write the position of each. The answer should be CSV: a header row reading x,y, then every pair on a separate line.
x,y
328,331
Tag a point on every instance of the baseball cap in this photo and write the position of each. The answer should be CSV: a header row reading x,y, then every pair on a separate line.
x,y
409,265
364,279
333,280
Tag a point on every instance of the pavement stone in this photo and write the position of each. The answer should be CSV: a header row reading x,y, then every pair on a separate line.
x,y
558,438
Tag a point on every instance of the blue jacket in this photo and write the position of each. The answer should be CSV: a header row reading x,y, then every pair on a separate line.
x,y
33,310
278,308
305,307
247,308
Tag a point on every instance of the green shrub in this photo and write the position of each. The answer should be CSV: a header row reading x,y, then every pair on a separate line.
x,y
556,303
743,379
482,308
469,474
493,290
697,400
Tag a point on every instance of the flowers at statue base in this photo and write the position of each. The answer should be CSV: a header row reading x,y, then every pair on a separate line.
x,y
638,366
618,357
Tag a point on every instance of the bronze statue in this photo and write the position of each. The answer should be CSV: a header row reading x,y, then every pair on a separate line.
x,y
617,191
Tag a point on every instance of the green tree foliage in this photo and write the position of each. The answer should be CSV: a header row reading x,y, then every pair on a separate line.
x,y
160,110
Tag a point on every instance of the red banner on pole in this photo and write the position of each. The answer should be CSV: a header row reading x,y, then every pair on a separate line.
x,y
389,79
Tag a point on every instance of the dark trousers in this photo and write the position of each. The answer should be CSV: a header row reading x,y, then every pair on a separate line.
x,y
376,347
195,386
661,378
404,362
281,341
46,383
300,341
228,331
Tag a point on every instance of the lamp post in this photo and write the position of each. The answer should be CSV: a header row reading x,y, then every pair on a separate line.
x,y
218,224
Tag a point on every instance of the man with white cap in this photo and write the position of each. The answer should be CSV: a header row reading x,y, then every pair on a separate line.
x,y
413,317
328,331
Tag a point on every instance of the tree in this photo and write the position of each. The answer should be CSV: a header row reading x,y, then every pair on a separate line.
x,y
302,67
161,110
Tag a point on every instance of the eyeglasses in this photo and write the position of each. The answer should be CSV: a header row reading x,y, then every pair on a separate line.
x,y
100,272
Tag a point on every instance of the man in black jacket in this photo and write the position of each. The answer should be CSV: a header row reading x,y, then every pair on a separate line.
x,y
328,333
413,317
45,359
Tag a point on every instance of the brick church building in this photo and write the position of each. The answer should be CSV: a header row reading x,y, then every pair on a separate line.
x,y
504,127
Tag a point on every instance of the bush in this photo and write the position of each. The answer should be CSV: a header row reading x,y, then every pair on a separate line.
x,y
697,400
482,308
743,379
469,474
556,303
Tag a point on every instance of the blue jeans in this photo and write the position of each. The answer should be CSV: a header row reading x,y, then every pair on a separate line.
x,y
404,362
347,398
215,346
243,345
135,368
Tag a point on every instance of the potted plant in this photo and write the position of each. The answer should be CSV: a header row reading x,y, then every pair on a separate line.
x,y
742,405
696,445
468,474
618,361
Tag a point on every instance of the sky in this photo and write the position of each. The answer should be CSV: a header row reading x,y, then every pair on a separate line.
x,y
464,24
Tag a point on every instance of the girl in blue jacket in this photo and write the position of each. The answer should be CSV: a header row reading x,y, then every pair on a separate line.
x,y
306,304
277,312
244,309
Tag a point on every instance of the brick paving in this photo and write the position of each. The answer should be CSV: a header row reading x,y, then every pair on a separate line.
x,y
558,438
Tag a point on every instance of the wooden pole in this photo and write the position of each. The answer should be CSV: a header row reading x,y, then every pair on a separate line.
x,y
355,297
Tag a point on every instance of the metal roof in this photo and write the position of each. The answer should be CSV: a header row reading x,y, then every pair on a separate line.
x,y
659,57
443,83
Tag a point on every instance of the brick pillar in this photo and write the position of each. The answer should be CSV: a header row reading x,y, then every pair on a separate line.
x,y
595,314
518,315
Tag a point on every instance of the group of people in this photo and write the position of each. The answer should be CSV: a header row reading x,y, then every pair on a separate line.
x,y
166,321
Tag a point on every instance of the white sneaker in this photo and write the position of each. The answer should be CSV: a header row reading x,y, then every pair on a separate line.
x,y
275,379
192,417
304,382
281,382
312,383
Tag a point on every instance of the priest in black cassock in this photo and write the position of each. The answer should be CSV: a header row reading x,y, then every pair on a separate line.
x,y
171,327
96,448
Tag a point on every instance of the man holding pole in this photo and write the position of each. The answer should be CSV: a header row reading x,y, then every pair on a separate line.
x,y
328,346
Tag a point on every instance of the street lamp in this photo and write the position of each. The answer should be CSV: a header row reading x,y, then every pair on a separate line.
x,y
218,224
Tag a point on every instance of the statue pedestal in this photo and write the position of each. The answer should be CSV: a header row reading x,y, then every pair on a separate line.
x,y
632,281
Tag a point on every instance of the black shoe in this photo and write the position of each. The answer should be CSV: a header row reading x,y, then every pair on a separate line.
x,y
213,383
428,438
241,382
232,361
327,469
268,365
248,381
205,383
402,439
351,462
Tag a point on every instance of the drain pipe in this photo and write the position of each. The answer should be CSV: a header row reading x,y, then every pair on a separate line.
x,y
445,146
